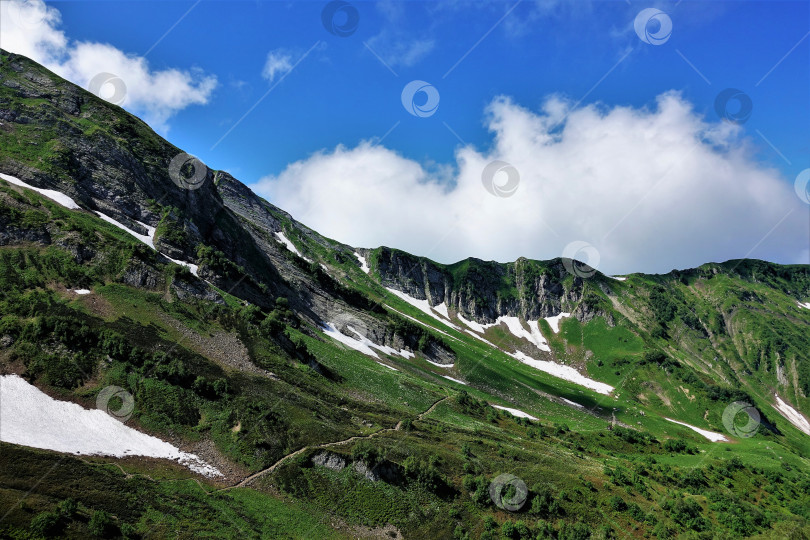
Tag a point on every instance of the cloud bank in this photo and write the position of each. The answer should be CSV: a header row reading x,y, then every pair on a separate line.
x,y
31,28
651,189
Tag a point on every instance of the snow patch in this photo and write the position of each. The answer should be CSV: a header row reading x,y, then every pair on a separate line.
x,y
618,278
148,239
441,309
32,418
563,372
478,327
454,380
389,367
532,336
711,435
806,305
554,322
56,196
286,241
82,291
792,415
423,306
363,263
515,412
422,323
362,343
573,403
439,365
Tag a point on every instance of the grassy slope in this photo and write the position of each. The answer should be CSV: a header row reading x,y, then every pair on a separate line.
x,y
309,409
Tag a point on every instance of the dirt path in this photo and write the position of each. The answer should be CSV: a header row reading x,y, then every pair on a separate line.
x,y
275,465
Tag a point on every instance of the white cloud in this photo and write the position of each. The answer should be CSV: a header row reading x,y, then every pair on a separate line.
x,y
31,28
278,62
397,49
652,189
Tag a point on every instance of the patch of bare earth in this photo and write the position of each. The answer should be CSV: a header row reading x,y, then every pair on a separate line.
x,y
222,347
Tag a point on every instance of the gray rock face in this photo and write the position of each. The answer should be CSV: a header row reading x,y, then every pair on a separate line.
x,y
330,460
485,290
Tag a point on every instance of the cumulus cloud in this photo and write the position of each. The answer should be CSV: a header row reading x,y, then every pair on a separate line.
x,y
651,189
31,28
278,62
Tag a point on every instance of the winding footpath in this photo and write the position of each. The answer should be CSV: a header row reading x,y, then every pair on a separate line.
x,y
274,466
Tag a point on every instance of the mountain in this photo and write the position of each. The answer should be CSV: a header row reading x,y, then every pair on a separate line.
x,y
267,381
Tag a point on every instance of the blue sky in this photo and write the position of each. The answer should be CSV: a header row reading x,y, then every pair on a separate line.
x,y
341,93
329,92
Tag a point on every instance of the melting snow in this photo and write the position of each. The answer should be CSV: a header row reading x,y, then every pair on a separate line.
x,y
440,365
454,380
573,403
422,323
60,198
792,415
806,305
32,418
423,306
554,322
362,343
515,412
441,309
82,291
532,336
389,367
363,263
618,278
478,327
711,435
148,239
563,372
286,241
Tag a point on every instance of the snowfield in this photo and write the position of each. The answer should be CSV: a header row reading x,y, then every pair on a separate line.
x,y
439,365
454,380
421,323
363,263
286,241
148,239
424,307
533,335
55,196
515,412
362,343
554,322
478,327
32,418
563,372
82,291
792,415
711,435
